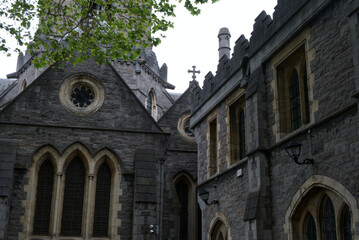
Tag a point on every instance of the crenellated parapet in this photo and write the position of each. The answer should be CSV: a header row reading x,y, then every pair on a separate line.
x,y
264,29
225,69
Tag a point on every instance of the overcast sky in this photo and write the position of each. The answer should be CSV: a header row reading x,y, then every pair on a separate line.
x,y
193,40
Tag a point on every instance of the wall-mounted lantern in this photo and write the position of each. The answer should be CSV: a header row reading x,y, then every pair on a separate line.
x,y
204,195
293,149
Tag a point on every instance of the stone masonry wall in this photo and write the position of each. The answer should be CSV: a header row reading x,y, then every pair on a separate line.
x,y
333,143
181,158
202,138
332,65
37,118
231,193
141,81
335,150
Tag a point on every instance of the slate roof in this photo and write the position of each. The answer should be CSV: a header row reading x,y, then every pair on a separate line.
x,y
175,96
5,83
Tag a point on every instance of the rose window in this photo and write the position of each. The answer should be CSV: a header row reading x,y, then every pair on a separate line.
x,y
82,96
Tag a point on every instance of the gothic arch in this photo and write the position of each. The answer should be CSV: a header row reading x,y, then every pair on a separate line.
x,y
42,154
219,225
110,157
327,187
75,149
60,163
151,103
192,209
106,155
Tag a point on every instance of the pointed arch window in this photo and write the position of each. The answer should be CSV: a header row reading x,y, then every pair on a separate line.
x,y
219,231
73,198
151,103
310,229
329,229
346,222
102,201
237,130
318,217
182,193
43,198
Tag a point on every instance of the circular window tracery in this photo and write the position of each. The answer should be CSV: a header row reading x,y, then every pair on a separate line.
x,y
82,94
184,127
187,128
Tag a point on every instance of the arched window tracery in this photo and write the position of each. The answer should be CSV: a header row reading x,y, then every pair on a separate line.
x,y
310,228
328,220
219,231
73,198
319,217
102,201
43,198
75,184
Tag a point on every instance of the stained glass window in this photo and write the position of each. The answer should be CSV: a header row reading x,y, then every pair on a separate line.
x,y
347,225
187,128
82,96
73,198
295,101
149,103
329,230
102,201
43,198
311,230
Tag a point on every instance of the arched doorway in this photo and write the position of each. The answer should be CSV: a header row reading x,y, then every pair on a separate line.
x,y
219,231
321,209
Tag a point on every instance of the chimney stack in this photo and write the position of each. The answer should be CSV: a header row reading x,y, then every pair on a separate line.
x,y
224,38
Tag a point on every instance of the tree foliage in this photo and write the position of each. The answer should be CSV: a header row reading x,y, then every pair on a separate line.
x,y
74,30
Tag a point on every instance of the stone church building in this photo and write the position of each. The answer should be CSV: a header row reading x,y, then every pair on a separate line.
x,y
96,152
267,149
294,85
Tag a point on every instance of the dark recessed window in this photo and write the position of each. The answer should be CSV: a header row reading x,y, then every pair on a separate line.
x,y
187,129
213,147
329,230
182,193
295,101
82,96
347,225
43,198
102,201
311,230
73,198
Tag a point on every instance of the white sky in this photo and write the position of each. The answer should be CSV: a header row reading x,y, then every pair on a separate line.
x,y
193,40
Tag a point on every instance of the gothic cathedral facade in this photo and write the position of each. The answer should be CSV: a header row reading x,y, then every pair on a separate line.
x,y
267,149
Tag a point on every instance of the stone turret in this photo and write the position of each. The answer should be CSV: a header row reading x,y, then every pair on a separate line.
x,y
224,43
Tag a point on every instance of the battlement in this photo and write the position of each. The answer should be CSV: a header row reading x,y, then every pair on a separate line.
x,y
264,28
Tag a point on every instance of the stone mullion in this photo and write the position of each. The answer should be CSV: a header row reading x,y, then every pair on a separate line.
x,y
57,218
90,204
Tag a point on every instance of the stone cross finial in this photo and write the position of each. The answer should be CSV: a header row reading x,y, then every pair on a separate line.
x,y
194,72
